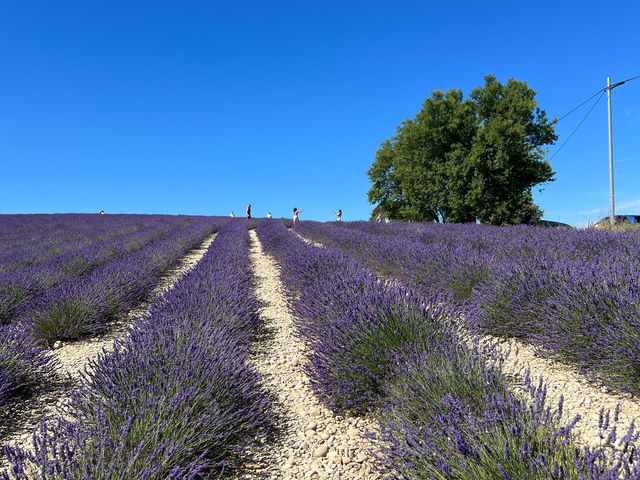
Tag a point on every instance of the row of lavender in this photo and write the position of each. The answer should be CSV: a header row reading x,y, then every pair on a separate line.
x,y
513,242
84,306
446,411
78,256
174,399
36,230
30,240
573,294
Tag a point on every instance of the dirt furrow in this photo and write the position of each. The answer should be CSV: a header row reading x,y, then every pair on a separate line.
x,y
312,442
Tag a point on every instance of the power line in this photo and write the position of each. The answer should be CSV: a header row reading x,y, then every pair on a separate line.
x,y
573,110
624,81
581,122
591,97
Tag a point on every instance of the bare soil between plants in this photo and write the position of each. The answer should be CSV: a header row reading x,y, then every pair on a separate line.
x,y
309,440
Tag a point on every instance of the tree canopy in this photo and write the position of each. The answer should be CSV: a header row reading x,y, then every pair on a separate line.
x,y
462,160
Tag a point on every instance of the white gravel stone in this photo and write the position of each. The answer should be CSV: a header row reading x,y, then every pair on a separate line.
x,y
321,451
303,418
580,395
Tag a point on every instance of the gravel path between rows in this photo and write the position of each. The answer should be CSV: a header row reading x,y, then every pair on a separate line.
x,y
581,395
312,442
19,420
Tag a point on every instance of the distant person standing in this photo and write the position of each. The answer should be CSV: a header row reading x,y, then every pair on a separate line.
x,y
248,211
378,218
232,215
269,215
295,215
101,212
339,215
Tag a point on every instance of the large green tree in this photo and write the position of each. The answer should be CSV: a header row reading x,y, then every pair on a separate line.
x,y
462,160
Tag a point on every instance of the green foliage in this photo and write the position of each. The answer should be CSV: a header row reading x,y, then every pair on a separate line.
x,y
12,297
68,319
462,160
456,412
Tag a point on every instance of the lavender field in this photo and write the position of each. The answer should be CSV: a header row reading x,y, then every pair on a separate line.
x,y
388,316
70,275
446,412
575,295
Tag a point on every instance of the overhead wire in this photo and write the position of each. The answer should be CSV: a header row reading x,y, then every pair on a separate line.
x,y
628,79
601,92
576,108
587,100
579,124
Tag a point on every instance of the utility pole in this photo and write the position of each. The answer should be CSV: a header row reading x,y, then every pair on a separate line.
x,y
612,207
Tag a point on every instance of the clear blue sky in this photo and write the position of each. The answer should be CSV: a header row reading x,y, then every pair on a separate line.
x,y
203,107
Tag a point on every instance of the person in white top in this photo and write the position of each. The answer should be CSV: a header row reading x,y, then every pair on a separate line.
x,y
269,215
339,215
232,214
295,215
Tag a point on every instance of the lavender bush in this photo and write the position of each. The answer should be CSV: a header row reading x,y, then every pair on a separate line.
x,y
45,237
353,325
455,419
23,363
73,233
441,266
574,295
22,286
445,407
175,399
85,305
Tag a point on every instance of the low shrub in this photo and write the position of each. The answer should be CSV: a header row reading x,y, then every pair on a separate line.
x,y
459,421
23,363
84,306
